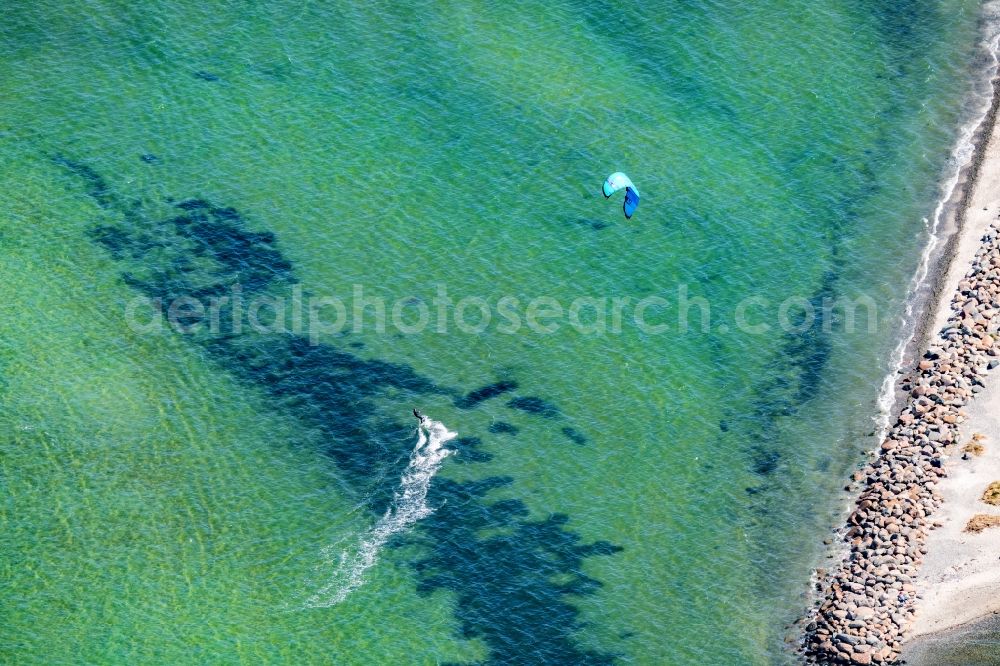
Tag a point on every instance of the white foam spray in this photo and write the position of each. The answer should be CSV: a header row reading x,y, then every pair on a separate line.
x,y
961,157
409,504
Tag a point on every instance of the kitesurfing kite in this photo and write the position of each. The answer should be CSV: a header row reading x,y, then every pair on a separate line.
x,y
617,181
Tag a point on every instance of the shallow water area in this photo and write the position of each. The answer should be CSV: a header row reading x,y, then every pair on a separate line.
x,y
639,494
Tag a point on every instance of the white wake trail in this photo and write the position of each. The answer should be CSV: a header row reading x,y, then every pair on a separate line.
x,y
409,504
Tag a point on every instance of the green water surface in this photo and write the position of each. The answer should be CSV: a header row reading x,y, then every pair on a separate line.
x,y
167,498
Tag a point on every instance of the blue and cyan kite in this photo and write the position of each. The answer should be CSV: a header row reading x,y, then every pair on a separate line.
x,y
617,181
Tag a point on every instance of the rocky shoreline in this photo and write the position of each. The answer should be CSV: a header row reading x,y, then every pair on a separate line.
x,y
868,599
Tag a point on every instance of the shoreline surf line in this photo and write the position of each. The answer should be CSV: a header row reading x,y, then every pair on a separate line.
x,y
928,294
959,579
925,292
409,505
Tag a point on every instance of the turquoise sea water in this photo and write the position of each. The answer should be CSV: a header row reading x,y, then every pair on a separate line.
x,y
629,495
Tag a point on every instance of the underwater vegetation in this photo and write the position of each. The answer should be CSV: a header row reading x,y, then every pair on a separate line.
x,y
513,578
